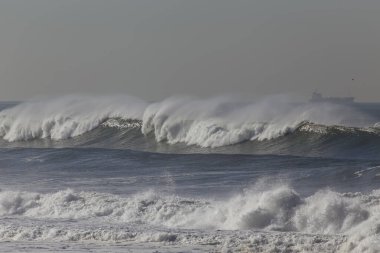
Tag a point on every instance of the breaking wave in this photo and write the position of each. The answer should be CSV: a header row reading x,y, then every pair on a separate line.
x,y
211,123
64,117
280,208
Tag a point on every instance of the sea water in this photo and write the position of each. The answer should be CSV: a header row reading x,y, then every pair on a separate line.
x,y
119,174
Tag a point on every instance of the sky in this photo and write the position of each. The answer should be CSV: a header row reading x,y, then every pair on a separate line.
x,y
159,48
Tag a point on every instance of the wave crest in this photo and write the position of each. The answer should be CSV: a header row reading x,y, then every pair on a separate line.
x,y
65,117
222,121
216,122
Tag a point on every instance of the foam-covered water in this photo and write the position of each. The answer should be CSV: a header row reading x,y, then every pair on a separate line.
x,y
189,175
352,216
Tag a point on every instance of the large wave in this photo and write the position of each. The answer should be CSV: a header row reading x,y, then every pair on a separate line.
x,y
65,117
206,123
279,208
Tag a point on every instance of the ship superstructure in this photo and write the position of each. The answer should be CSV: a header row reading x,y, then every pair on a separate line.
x,y
318,98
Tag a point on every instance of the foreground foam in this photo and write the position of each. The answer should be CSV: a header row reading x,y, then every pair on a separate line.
x,y
280,208
354,216
180,240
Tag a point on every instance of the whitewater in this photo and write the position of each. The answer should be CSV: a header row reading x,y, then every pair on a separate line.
x,y
223,174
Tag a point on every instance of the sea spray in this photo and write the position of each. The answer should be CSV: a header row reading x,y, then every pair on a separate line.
x,y
65,117
213,122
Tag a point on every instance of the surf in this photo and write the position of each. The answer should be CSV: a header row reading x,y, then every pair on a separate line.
x,y
270,125
351,216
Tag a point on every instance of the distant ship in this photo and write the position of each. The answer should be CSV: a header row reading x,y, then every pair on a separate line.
x,y
318,98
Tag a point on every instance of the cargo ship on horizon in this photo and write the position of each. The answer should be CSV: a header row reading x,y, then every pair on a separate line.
x,y
318,98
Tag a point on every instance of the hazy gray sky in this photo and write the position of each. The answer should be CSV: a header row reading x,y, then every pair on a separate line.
x,y
154,49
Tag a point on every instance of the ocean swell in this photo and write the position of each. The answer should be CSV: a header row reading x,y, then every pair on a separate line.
x,y
209,123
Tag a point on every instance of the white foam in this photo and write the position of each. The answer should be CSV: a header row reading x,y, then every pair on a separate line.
x,y
211,122
137,239
224,121
276,209
65,117
354,215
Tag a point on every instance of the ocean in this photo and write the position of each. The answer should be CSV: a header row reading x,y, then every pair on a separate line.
x,y
224,174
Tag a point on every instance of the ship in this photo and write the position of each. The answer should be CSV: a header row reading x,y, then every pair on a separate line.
x,y
318,98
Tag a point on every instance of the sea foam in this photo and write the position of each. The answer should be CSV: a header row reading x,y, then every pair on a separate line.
x,y
281,208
